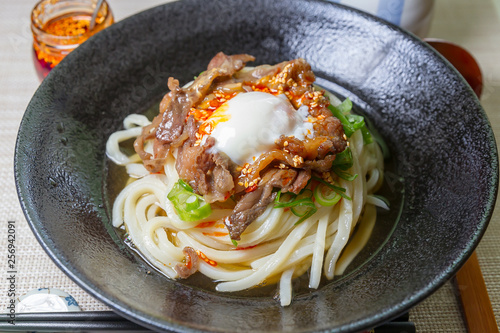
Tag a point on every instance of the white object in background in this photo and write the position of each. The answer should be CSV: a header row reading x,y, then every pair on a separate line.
x,y
46,300
412,15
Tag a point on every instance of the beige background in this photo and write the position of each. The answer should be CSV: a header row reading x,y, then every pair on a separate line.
x,y
472,24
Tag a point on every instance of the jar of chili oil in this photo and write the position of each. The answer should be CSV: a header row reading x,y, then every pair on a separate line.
x,y
60,26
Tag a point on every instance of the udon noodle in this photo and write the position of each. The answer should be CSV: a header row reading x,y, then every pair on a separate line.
x,y
285,239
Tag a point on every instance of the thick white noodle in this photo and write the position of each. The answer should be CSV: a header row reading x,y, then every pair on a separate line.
x,y
286,287
133,127
275,261
272,249
358,241
318,253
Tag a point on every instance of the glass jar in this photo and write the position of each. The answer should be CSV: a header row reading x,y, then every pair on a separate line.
x,y
60,26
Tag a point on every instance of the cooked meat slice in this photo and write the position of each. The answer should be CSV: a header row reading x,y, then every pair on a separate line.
x,y
174,117
206,172
280,178
250,206
193,164
230,64
253,204
300,181
221,181
320,166
192,263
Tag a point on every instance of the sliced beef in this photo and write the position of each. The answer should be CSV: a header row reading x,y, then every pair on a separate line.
x,y
300,181
248,208
253,204
231,64
192,263
207,172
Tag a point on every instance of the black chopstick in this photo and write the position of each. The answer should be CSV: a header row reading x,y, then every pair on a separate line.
x,y
68,321
92,321
63,316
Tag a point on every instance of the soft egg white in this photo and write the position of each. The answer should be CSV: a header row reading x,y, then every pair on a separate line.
x,y
249,124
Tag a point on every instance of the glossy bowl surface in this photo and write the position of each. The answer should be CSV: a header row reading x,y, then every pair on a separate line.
x,y
445,163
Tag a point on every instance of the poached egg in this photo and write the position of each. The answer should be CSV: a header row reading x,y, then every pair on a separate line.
x,y
248,125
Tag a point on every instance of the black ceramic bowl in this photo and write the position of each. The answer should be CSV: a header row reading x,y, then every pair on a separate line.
x,y
444,159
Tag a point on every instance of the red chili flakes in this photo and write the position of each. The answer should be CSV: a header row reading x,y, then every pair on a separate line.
x,y
251,188
199,114
216,234
206,224
246,248
203,114
206,259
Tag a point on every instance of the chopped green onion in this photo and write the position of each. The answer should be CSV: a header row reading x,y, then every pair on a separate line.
x,y
367,137
195,77
351,122
375,136
235,243
185,185
356,121
310,212
345,175
192,203
339,190
302,209
345,107
189,206
337,112
325,196
301,205
343,162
